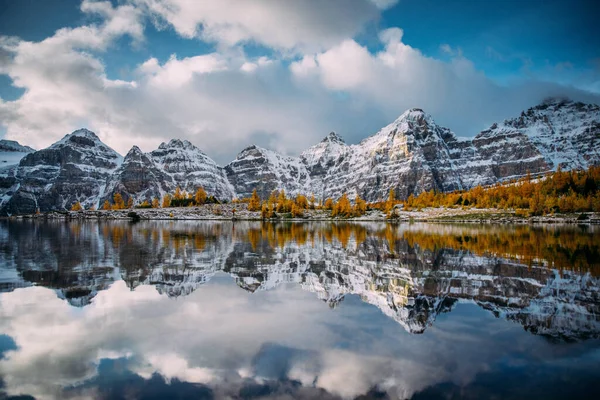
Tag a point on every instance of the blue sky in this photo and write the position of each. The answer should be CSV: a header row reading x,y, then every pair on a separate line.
x,y
283,74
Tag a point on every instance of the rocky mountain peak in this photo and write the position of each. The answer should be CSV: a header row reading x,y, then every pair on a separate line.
x,y
177,144
134,152
14,146
333,137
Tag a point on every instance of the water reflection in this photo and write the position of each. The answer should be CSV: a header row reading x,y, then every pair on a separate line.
x,y
142,325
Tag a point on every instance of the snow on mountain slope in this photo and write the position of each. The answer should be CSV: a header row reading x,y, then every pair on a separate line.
x,y
414,154
190,168
411,155
145,176
265,171
75,168
407,156
563,132
137,177
11,152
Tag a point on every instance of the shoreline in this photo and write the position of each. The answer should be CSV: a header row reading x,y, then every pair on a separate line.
x,y
239,212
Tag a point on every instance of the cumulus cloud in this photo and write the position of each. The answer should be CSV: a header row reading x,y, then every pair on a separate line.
x,y
282,24
400,77
226,100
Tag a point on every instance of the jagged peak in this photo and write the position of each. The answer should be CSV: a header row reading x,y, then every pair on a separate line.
x,y
415,115
13,145
556,100
254,147
83,132
134,151
81,138
333,137
178,144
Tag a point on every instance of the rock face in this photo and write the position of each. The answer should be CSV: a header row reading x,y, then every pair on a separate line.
x,y
414,154
190,168
407,156
174,164
265,171
138,177
564,133
11,153
411,155
73,169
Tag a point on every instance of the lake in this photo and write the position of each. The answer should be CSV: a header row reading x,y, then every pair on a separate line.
x,y
161,309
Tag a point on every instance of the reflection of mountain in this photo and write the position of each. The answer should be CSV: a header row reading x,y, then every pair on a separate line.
x,y
410,274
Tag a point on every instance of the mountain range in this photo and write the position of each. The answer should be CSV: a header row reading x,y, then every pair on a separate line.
x,y
410,155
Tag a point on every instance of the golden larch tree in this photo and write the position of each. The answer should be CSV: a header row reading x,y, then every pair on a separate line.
x,y
254,203
200,196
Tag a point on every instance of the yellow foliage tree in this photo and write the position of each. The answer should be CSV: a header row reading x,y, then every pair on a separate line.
x,y
312,201
166,203
155,202
178,194
118,202
391,201
301,202
106,205
200,196
254,203
360,206
130,202
76,206
342,207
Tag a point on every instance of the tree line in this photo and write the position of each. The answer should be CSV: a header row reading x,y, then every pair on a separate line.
x,y
179,198
557,192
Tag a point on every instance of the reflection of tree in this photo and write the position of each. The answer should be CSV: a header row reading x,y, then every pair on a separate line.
x,y
412,273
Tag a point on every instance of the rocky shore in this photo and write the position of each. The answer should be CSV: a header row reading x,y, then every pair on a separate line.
x,y
240,212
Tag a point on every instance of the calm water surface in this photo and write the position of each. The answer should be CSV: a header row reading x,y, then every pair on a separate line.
x,y
197,310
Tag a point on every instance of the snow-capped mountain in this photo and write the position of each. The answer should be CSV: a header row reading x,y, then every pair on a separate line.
x,y
411,155
174,164
11,153
8,147
414,154
138,177
73,169
265,171
563,132
190,168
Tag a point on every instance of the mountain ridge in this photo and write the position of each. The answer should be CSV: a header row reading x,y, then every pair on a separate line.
x,y
410,155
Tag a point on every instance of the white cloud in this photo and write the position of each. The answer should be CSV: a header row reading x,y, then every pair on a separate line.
x,y
225,100
175,73
282,24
